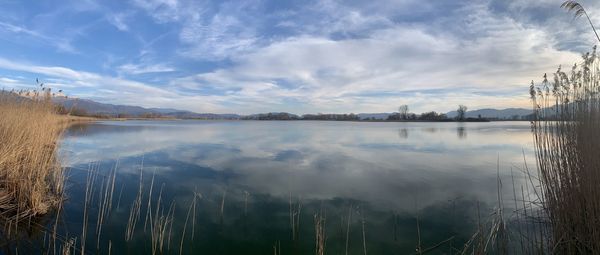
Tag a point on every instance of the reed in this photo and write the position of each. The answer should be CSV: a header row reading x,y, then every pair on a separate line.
x,y
295,210
565,129
320,237
277,248
89,193
348,221
364,235
105,203
161,223
31,179
191,209
135,210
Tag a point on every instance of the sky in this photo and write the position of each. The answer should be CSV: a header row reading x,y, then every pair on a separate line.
x,y
298,56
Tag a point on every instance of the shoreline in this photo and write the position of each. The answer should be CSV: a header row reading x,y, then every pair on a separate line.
x,y
92,119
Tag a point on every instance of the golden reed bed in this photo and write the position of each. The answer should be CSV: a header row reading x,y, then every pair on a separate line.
x,y
31,178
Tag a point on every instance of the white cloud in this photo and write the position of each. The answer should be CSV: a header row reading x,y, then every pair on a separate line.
x,y
109,89
118,20
226,33
330,56
8,80
7,83
161,10
87,79
222,37
204,34
144,69
329,74
491,52
60,43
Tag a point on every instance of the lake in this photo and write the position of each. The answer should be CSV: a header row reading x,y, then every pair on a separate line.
x,y
268,187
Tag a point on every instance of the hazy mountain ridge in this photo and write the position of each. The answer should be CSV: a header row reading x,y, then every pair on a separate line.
x,y
96,108
494,113
489,113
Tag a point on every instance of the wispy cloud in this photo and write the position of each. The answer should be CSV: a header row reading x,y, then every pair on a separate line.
x,y
115,90
144,69
161,10
12,83
222,37
118,20
60,43
86,79
307,56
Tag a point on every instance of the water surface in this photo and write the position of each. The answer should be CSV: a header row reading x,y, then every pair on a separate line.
x,y
382,178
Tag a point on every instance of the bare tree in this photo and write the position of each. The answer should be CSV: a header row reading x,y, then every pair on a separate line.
x,y
461,112
403,111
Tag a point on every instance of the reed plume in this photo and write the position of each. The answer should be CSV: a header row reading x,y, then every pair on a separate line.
x,y
565,129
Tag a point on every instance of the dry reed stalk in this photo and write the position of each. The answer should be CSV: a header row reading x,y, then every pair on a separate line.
x,y
197,195
348,227
517,216
134,212
295,210
364,234
105,203
68,247
565,128
492,233
120,195
487,235
320,237
31,179
187,217
222,211
160,224
89,193
149,206
277,248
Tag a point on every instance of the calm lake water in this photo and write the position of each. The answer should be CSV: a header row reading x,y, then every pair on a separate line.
x,y
249,176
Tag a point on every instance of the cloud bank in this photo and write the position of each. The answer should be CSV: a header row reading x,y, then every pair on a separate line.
x,y
317,56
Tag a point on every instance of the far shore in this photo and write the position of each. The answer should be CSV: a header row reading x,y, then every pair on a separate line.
x,y
93,119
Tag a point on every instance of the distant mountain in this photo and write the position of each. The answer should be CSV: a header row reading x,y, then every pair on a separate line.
x,y
206,116
96,108
494,113
92,107
168,110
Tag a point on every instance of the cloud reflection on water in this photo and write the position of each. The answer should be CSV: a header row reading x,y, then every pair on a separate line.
x,y
321,160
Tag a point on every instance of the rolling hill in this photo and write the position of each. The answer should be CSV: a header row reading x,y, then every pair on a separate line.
x,y
96,108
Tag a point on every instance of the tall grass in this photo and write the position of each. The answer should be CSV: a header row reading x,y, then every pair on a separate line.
x,y
566,131
31,179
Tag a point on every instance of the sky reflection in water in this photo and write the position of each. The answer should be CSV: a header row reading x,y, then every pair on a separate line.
x,y
386,172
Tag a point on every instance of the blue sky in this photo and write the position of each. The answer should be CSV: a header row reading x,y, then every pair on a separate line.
x,y
295,56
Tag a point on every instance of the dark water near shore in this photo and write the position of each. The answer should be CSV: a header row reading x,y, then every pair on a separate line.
x,y
383,178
